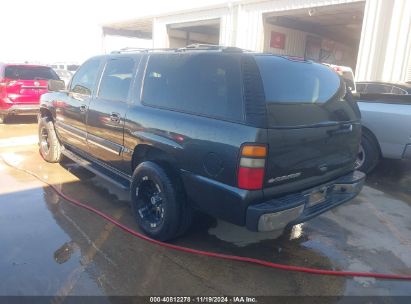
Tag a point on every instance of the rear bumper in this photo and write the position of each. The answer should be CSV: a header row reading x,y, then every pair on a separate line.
x,y
21,109
296,208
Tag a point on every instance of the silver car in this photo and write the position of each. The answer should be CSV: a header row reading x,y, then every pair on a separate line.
x,y
386,119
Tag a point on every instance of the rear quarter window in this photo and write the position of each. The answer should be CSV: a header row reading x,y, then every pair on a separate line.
x,y
398,91
361,87
204,84
374,88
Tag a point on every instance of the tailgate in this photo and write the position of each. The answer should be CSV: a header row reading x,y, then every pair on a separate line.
x,y
26,91
312,155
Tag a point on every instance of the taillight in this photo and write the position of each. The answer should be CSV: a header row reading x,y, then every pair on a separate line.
x,y
252,167
7,82
3,84
9,85
338,70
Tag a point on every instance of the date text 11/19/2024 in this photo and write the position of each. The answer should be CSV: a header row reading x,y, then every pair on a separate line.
x,y
204,299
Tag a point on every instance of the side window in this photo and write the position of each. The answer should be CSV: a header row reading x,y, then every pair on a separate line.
x,y
398,91
116,80
84,80
361,87
204,84
378,88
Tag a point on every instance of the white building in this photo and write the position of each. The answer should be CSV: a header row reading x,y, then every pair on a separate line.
x,y
371,36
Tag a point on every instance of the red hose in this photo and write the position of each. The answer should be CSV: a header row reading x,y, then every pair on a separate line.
x,y
213,254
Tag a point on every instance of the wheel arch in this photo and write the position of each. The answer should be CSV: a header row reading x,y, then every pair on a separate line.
x,y
45,112
366,131
146,152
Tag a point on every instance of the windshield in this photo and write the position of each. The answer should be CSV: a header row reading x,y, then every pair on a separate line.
x,y
30,73
291,81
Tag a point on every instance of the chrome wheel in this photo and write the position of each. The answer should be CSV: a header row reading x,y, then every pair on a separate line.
x,y
44,140
360,158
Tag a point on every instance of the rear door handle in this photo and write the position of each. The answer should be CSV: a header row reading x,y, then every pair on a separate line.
x,y
115,117
83,108
346,128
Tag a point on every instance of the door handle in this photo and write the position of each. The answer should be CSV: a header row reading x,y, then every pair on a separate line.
x,y
346,128
115,117
83,108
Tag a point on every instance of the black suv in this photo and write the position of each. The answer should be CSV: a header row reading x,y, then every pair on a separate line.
x,y
258,140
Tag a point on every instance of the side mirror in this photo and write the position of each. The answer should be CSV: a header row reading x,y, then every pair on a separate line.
x,y
56,85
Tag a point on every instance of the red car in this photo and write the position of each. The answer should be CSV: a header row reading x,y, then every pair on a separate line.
x,y
21,86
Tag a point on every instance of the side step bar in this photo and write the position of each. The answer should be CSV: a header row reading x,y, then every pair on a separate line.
x,y
120,180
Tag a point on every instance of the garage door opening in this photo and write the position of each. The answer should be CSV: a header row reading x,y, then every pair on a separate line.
x,y
204,32
328,34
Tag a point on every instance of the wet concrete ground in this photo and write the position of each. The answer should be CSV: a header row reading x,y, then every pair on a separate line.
x,y
50,247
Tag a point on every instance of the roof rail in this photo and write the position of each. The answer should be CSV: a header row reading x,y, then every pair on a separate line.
x,y
204,46
195,46
143,50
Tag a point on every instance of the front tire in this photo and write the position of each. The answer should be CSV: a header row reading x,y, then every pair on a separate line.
x,y
50,147
158,202
369,154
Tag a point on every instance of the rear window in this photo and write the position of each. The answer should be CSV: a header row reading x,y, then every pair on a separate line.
x,y
289,81
301,94
30,73
204,84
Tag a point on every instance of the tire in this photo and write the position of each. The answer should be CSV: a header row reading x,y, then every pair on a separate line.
x,y
369,154
159,203
50,147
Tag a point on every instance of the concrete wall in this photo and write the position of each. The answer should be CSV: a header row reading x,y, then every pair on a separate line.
x,y
385,47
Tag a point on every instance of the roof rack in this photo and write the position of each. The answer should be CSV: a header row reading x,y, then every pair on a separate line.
x,y
203,46
143,50
195,46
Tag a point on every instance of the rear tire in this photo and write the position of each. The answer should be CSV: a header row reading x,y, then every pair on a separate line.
x,y
50,147
369,154
159,203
